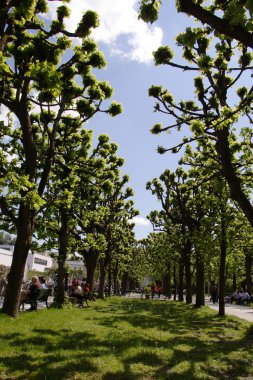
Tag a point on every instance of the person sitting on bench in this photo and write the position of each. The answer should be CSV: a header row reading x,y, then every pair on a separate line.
x,y
87,292
31,292
78,293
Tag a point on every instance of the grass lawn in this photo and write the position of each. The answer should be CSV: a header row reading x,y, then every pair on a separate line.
x,y
125,339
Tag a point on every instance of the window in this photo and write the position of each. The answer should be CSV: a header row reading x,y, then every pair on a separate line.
x,y
37,260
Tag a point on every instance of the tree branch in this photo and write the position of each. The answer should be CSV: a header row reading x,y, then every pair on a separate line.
x,y
220,25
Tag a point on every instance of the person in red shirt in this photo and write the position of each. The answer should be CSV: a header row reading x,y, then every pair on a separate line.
x,y
158,290
87,292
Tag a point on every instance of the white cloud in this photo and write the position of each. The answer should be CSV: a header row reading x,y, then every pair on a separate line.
x,y
140,221
118,19
4,111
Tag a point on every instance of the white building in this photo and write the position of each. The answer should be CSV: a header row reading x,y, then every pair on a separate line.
x,y
77,265
37,261
5,256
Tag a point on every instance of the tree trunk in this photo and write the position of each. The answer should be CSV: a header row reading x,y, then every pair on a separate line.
x,y
200,280
15,277
188,274
125,283
116,279
63,246
181,280
102,276
91,259
234,282
223,253
175,281
110,279
167,283
234,182
248,266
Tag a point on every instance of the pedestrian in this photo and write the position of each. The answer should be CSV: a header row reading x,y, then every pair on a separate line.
x,y
214,292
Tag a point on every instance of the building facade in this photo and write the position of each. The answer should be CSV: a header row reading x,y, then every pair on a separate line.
x,y
35,261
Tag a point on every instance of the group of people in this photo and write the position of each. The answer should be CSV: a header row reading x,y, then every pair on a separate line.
x,y
78,289
240,297
81,291
156,289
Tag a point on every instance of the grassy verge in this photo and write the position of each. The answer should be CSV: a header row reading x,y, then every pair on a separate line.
x,y
127,339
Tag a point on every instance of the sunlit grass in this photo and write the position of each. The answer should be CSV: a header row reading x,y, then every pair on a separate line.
x,y
122,338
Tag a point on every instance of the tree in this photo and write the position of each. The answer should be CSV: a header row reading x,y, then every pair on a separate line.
x,y
80,176
138,267
157,257
177,208
103,221
40,84
230,18
213,117
120,240
188,206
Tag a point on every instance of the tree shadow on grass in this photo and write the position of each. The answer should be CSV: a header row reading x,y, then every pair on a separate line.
x,y
205,336
165,316
182,337
48,359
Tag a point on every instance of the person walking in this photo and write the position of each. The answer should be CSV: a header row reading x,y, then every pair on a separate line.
x,y
214,292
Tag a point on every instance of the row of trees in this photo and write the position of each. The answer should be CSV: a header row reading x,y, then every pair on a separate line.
x,y
58,185
54,182
218,137
207,236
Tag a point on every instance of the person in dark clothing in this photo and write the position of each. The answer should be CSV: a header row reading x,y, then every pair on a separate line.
x,y
214,292
153,291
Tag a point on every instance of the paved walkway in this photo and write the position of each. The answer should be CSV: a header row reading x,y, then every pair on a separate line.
x,y
243,312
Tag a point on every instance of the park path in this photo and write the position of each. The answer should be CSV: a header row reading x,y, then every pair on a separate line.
x,y
243,312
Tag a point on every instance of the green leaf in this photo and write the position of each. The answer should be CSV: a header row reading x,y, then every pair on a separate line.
x,y
115,109
163,55
89,20
149,10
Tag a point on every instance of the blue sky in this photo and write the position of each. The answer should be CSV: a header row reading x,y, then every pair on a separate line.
x,y
127,44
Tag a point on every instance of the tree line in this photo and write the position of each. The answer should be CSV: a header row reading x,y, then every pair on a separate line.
x,y
60,186
214,177
56,183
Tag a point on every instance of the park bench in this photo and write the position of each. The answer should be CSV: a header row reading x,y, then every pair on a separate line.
x,y
41,296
